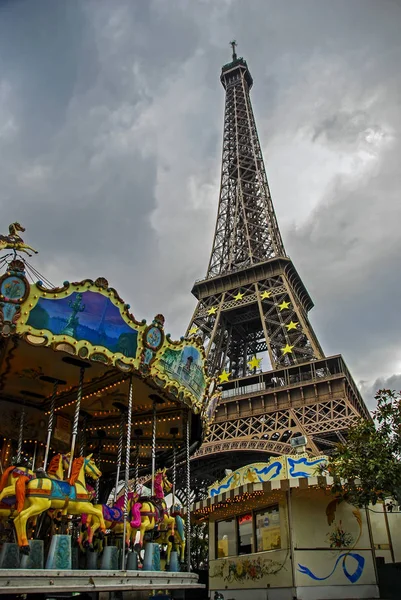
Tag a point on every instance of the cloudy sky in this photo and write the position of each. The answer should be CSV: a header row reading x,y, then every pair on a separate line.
x,y
111,115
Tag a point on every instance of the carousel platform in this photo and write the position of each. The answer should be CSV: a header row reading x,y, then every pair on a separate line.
x,y
45,581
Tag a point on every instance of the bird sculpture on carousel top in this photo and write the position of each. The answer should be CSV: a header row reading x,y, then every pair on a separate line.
x,y
14,242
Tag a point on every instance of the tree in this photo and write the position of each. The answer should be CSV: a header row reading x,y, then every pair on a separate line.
x,y
199,546
367,468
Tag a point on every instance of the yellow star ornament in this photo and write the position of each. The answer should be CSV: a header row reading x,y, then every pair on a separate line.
x,y
239,296
265,295
193,330
284,305
254,363
287,349
292,325
212,311
224,376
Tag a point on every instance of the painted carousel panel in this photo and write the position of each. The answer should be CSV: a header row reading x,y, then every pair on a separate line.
x,y
252,571
86,316
186,366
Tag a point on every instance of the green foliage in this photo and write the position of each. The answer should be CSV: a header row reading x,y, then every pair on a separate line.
x,y
367,468
199,546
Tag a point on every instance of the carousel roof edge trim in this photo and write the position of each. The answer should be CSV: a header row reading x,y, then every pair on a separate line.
x,y
250,491
278,468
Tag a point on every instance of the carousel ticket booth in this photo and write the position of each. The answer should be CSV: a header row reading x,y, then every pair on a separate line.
x,y
276,532
93,402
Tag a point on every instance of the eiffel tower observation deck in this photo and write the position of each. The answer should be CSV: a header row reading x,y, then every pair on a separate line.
x,y
252,315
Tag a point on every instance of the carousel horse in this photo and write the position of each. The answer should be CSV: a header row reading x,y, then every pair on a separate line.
x,y
114,520
14,242
154,509
12,482
71,496
176,540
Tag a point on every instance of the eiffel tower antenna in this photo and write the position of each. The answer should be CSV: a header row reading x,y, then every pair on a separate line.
x,y
233,45
252,314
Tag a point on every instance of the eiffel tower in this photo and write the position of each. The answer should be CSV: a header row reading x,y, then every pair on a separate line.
x,y
252,315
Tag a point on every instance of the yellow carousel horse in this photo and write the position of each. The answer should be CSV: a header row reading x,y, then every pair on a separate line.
x,y
154,509
14,242
72,497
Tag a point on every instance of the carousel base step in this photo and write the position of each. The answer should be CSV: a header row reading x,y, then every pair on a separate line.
x,y
55,582
60,556
36,557
9,556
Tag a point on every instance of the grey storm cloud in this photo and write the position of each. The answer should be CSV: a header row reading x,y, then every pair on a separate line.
x,y
111,117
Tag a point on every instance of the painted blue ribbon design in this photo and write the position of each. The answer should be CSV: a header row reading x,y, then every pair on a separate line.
x,y
353,577
224,486
293,462
266,470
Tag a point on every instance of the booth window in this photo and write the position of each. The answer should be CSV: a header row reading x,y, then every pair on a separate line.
x,y
268,535
245,534
226,538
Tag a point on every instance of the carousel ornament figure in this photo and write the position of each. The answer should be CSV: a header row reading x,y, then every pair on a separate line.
x,y
14,242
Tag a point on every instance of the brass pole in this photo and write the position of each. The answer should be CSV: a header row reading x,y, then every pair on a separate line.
x,y
35,449
119,453
127,462
20,435
154,423
188,494
50,425
76,419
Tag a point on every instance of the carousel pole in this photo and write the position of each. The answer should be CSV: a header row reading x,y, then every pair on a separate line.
x,y
138,434
82,438
20,435
154,423
156,400
188,494
50,424
173,432
76,418
35,449
123,410
101,435
127,463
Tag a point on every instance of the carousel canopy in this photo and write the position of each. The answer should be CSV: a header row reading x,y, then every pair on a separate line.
x,y
50,335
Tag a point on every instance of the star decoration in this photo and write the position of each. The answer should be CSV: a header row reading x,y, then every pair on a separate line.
x,y
265,295
193,330
292,325
224,376
287,349
239,296
212,311
284,305
254,363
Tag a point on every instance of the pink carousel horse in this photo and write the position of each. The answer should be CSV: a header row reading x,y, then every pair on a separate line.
x,y
154,509
113,518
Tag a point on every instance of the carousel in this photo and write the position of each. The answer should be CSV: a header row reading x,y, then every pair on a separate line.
x,y
97,411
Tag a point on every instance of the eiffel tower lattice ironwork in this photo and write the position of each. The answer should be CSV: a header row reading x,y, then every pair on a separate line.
x,y
252,315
